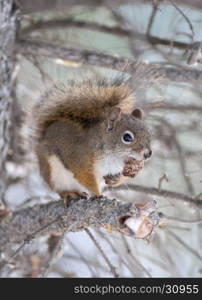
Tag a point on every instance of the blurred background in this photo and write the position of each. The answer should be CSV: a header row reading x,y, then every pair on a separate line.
x,y
155,31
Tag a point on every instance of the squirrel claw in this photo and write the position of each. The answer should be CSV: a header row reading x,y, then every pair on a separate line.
x,y
114,180
96,197
68,196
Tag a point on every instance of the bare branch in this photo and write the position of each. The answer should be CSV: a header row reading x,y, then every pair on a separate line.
x,y
181,108
115,30
53,217
151,19
53,254
112,268
179,149
192,3
82,257
162,193
161,179
185,245
94,58
162,215
110,241
28,6
131,253
184,16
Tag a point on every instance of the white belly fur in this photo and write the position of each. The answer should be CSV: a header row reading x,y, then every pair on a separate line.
x,y
110,164
61,178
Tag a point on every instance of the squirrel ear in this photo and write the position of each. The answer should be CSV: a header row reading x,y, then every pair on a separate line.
x,y
114,116
137,113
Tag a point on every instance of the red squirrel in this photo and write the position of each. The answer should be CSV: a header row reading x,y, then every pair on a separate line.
x,y
85,134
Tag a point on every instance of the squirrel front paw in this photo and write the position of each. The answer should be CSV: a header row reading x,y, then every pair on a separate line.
x,y
113,180
68,196
131,168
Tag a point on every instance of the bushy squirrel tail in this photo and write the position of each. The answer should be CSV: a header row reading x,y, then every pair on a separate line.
x,y
86,102
82,103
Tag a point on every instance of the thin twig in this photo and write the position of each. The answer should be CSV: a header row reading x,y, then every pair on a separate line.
x,y
177,74
82,257
163,193
53,255
186,246
27,240
184,16
164,177
46,78
130,252
109,240
179,149
151,19
181,108
115,30
162,215
112,268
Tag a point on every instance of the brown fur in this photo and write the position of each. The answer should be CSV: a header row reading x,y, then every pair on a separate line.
x,y
79,125
85,104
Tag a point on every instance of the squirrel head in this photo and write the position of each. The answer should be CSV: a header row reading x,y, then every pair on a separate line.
x,y
127,134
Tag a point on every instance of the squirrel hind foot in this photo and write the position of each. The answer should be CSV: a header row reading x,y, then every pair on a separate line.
x,y
68,196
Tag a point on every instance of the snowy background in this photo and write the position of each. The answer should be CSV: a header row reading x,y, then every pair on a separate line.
x,y
175,248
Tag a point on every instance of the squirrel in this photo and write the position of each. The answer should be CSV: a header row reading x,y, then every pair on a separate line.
x,y
85,133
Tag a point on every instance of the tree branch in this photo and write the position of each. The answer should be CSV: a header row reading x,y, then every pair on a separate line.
x,y
162,193
8,29
192,3
115,30
127,218
30,6
39,48
167,106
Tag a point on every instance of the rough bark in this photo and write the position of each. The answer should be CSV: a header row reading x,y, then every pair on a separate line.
x,y
8,29
24,225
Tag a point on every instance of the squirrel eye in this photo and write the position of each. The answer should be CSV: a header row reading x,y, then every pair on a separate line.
x,y
128,137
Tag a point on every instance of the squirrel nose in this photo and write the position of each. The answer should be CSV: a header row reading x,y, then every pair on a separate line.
x,y
147,154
